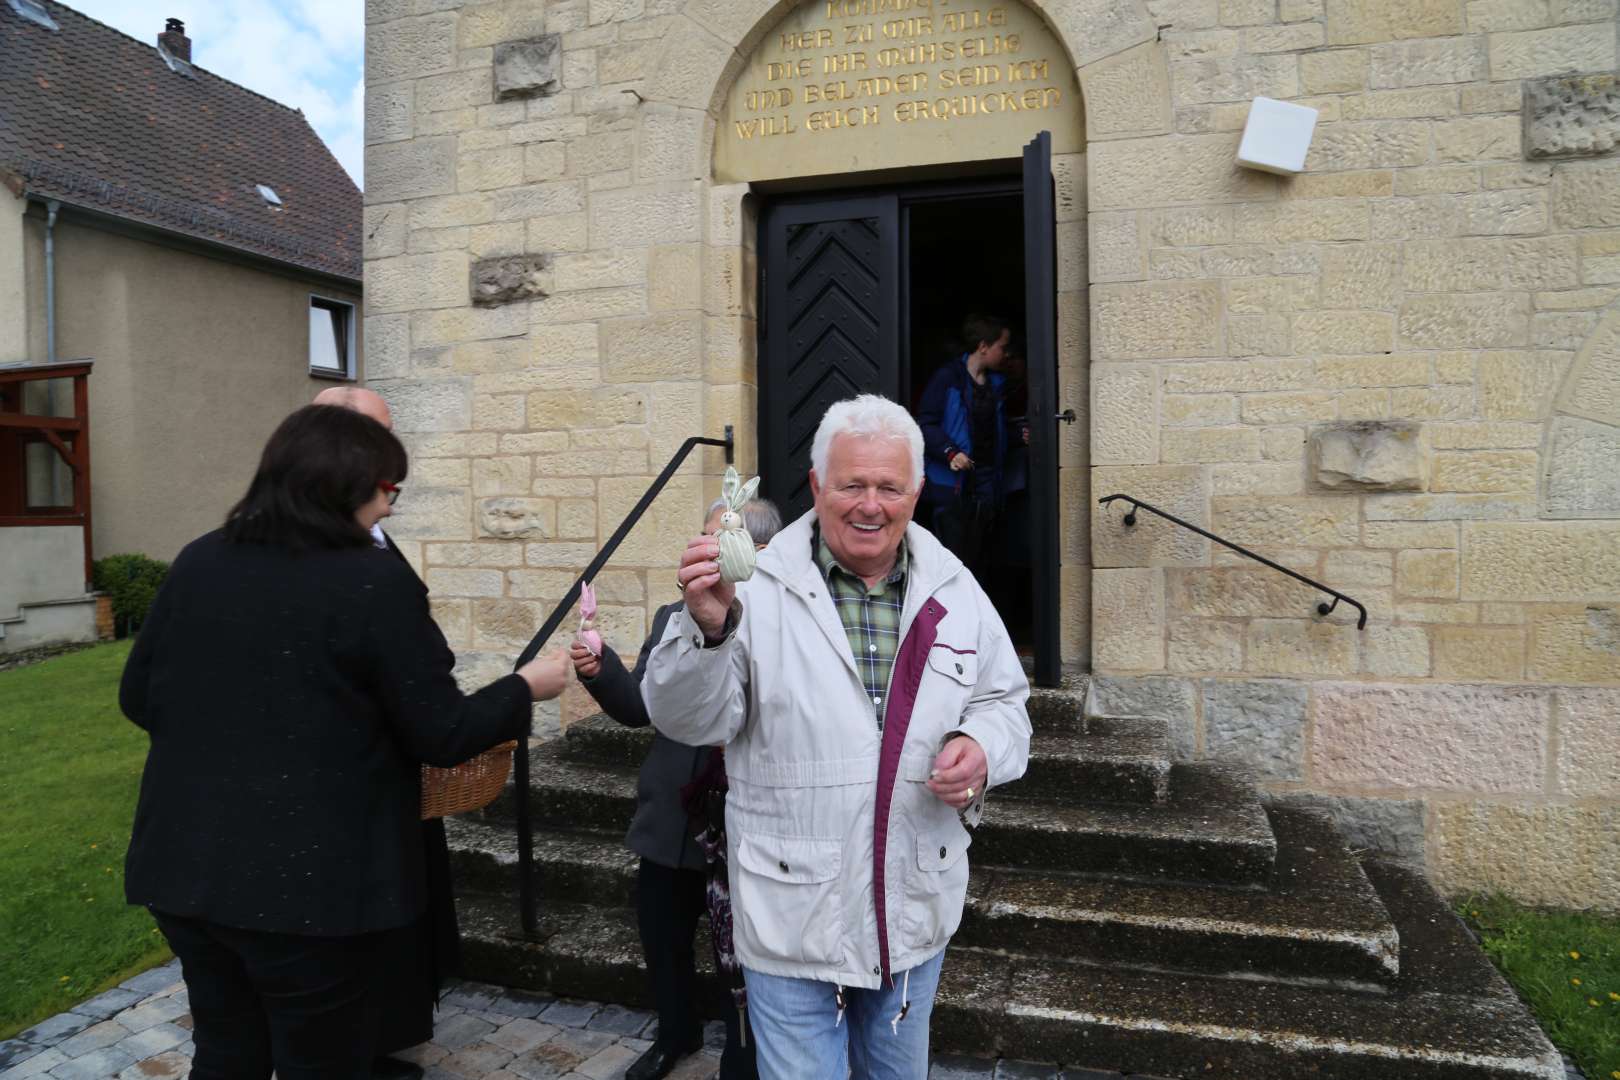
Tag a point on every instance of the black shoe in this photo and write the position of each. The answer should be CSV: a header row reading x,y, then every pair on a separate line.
x,y
389,1068
658,1060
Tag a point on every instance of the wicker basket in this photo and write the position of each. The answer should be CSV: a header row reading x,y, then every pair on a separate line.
x,y
472,785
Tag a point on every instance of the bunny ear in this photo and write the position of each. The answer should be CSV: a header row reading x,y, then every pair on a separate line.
x,y
729,485
746,493
587,602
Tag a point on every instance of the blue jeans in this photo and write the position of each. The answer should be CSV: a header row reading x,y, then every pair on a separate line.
x,y
798,1034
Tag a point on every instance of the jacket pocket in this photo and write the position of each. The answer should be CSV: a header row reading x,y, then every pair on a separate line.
x,y
787,897
959,667
936,886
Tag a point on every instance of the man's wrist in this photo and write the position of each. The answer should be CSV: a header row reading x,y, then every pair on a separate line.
x,y
716,636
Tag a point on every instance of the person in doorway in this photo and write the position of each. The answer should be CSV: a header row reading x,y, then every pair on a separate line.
x,y
291,681
672,878
434,953
1006,576
964,426
867,696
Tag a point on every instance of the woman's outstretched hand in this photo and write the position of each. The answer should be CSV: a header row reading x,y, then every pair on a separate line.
x,y
546,675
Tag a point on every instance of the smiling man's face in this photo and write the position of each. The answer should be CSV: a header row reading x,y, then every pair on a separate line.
x,y
865,501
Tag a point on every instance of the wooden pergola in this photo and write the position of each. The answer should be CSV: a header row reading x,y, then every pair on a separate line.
x,y
69,436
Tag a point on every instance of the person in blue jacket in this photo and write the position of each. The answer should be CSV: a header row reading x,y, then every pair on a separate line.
x,y
962,416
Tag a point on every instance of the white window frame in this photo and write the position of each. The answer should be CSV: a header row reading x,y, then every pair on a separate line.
x,y
349,371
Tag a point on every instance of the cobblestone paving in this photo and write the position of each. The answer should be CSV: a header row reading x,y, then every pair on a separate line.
x,y
142,1031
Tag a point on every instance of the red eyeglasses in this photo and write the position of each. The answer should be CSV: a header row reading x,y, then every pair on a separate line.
x,y
391,490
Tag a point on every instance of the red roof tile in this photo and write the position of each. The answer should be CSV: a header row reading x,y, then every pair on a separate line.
x,y
97,119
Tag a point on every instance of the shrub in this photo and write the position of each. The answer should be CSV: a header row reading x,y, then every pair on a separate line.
x,y
132,582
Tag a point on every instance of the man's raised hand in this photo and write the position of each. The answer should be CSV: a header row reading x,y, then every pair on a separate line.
x,y
708,599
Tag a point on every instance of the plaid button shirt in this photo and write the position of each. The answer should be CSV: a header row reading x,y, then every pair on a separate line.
x,y
871,618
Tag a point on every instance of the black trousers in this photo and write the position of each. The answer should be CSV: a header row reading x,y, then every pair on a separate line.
x,y
306,1007
669,903
410,990
966,526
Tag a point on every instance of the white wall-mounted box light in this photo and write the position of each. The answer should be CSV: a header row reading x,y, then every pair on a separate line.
x,y
1277,136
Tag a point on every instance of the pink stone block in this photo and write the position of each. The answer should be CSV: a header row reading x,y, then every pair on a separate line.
x,y
1486,739
1589,742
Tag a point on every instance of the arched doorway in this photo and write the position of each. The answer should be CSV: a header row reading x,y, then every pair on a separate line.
x,y
926,134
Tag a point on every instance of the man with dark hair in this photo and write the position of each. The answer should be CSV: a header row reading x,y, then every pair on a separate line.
x,y
962,415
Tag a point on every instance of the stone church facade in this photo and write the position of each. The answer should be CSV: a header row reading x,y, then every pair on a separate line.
x,y
1397,372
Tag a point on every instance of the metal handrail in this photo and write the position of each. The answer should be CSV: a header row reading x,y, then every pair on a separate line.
x,y
1322,608
520,759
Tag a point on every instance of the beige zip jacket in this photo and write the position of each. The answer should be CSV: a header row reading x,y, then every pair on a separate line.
x,y
844,867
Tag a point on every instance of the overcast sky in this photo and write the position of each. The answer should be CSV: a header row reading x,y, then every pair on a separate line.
x,y
309,54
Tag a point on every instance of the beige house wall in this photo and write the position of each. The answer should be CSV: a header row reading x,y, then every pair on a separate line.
x,y
197,359
13,282
1421,270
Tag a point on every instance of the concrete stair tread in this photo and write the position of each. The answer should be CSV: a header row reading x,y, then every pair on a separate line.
x,y
1212,827
552,763
1320,920
1450,1016
1156,726
577,951
1128,767
1206,801
1059,708
1100,746
602,851
601,738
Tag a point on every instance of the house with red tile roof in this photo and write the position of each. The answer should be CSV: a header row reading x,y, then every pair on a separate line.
x,y
180,264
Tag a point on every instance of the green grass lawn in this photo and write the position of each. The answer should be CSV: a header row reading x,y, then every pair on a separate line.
x,y
70,768
1567,966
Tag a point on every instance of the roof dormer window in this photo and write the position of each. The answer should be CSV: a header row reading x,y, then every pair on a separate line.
x,y
268,194
34,11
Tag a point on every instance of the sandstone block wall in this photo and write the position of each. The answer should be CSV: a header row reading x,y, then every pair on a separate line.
x,y
1398,372
1395,373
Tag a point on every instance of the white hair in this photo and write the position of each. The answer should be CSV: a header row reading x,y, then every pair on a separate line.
x,y
869,417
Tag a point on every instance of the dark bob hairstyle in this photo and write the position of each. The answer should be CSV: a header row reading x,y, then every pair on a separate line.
x,y
321,465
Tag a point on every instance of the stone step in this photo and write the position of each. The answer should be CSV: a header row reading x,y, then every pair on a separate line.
x,y
599,737
1126,762
1094,767
1059,708
1449,1016
569,793
1320,922
1156,726
577,951
567,866
1212,828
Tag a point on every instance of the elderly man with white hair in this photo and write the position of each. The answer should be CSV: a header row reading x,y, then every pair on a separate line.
x,y
868,695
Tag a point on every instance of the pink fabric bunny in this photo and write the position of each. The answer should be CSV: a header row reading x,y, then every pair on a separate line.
x,y
587,635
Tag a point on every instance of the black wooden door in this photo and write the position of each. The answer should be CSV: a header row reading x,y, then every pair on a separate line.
x,y
830,327
1040,314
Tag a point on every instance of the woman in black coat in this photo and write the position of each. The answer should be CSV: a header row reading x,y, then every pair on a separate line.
x,y
292,682
673,876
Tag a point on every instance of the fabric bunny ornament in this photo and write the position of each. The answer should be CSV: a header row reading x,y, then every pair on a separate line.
x,y
736,546
587,635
